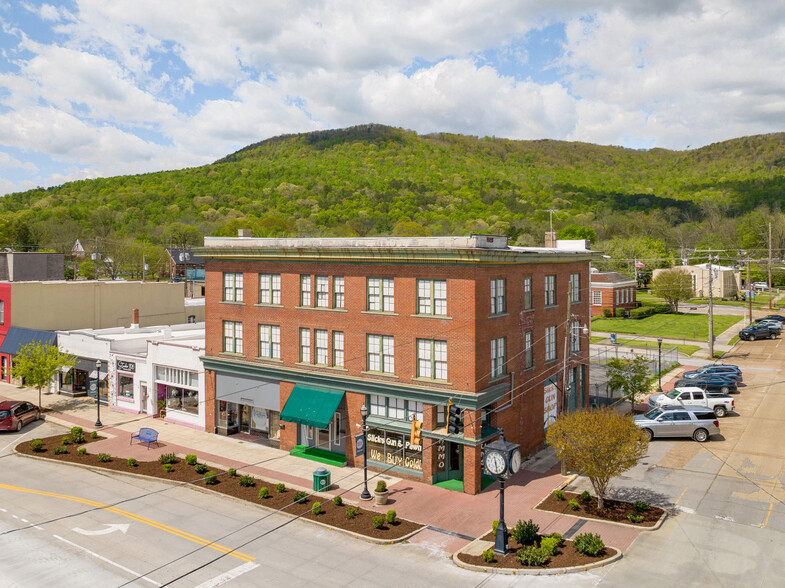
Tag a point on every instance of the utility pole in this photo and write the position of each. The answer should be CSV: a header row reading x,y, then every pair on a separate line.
x,y
568,332
144,264
771,292
711,309
749,290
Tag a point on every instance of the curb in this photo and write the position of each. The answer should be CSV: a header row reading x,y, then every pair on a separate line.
x,y
535,571
654,527
173,483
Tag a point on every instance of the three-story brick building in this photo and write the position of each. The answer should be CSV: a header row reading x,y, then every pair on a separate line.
x,y
301,333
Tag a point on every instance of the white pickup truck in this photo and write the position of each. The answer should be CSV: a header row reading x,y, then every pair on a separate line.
x,y
693,396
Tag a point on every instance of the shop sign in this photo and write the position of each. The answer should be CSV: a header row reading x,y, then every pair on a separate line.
x,y
394,449
441,456
126,366
359,444
550,404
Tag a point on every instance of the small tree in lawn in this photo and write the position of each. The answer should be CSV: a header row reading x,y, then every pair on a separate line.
x,y
37,363
600,444
674,285
631,376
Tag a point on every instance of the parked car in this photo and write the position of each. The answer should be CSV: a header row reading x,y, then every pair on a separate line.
x,y
728,371
773,324
15,414
709,383
754,332
776,317
690,421
692,396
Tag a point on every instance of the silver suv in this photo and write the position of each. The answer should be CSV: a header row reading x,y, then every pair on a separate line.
x,y
690,421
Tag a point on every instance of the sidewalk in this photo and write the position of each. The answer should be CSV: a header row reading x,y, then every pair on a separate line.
x,y
454,518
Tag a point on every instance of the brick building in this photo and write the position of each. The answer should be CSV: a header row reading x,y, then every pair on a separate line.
x,y
612,292
301,333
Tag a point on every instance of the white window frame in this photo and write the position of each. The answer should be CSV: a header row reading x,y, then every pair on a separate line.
x,y
270,341
381,295
596,297
498,296
550,290
498,357
233,287
305,290
322,347
233,336
269,288
322,292
338,292
432,359
338,349
550,343
432,297
305,345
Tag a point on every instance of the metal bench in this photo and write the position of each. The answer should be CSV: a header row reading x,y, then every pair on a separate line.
x,y
145,435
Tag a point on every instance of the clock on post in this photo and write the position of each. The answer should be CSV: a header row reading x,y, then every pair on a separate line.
x,y
502,460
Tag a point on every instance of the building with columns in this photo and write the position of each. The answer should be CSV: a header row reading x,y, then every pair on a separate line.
x,y
301,333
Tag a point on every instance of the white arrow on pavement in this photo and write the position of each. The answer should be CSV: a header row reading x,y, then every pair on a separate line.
x,y
112,527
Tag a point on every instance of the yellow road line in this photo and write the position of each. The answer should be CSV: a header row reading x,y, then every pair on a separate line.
x,y
680,496
768,514
135,517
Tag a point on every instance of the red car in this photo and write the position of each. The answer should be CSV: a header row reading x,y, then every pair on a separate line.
x,y
15,414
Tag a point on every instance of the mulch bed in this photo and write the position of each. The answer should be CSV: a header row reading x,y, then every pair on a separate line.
x,y
332,515
616,511
565,557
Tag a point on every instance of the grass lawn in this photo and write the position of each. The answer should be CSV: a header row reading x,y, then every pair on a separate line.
x,y
676,326
594,340
760,302
686,349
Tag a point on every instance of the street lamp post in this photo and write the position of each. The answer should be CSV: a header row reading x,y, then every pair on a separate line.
x,y
98,393
659,364
365,495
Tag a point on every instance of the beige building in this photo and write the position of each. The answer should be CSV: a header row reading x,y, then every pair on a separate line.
x,y
725,281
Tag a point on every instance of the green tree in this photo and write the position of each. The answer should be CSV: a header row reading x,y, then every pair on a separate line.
x,y
577,232
674,285
600,444
37,363
631,376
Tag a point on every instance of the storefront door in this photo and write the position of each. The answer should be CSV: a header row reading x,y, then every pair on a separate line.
x,y
449,462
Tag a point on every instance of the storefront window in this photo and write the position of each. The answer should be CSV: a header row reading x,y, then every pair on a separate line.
x,y
394,449
125,387
182,399
221,412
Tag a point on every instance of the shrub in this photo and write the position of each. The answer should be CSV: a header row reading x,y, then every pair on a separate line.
x,y
549,545
104,457
65,441
77,435
585,496
641,506
131,462
201,468
556,536
94,435
390,516
211,478
337,501
381,486
378,522
247,481
489,556
81,451
231,472
280,488
301,497
494,526
558,494
588,544
190,459
532,556
574,504
60,449
169,458
37,445
607,312
316,509
168,467
525,533
264,492
352,511
635,518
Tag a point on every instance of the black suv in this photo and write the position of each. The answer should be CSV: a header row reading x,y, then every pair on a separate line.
x,y
756,331
709,383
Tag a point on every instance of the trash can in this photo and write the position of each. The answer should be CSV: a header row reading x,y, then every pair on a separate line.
x,y
321,479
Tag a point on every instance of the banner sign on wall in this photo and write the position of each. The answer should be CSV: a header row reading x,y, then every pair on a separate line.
x,y
550,404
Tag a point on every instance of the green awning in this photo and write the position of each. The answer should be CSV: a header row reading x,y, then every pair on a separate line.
x,y
311,406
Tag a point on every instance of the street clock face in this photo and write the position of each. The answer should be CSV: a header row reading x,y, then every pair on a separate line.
x,y
515,461
494,463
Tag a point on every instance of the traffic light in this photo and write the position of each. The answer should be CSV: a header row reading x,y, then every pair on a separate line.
x,y
454,420
416,435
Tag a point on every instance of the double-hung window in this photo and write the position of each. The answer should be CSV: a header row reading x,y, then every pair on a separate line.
x,y
415,410
305,290
270,341
527,350
596,297
233,337
575,287
431,359
550,343
498,356
321,347
432,297
378,405
575,336
381,354
233,287
338,292
322,291
2,312
269,288
381,294
498,299
338,348
305,345
550,290
527,293
396,408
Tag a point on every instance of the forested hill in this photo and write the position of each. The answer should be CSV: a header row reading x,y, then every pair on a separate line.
x,y
374,179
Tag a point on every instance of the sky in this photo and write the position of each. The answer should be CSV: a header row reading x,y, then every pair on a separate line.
x,y
94,88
